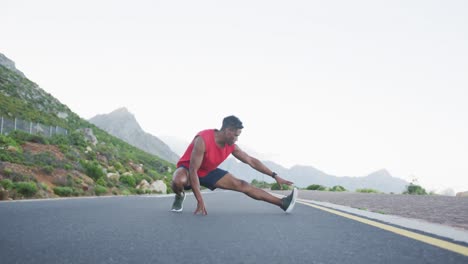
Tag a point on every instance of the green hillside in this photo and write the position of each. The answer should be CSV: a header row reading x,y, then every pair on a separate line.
x,y
35,166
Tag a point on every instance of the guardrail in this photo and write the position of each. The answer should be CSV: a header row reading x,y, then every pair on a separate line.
x,y
9,125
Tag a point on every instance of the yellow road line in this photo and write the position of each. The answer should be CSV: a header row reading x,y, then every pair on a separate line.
x,y
426,239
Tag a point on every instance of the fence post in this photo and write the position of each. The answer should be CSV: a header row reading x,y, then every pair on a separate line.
x,y
50,131
15,123
30,127
1,127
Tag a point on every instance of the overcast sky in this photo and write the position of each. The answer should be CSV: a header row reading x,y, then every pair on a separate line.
x,y
349,87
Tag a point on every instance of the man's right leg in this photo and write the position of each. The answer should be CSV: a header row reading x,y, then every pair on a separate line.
x,y
180,181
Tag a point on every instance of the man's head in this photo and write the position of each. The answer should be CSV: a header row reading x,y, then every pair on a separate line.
x,y
232,122
232,128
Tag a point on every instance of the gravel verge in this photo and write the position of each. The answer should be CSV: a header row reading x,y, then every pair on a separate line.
x,y
445,210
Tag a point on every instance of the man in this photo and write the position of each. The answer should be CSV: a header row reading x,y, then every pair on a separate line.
x,y
199,166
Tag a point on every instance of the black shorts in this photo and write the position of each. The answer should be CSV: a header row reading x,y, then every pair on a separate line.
x,y
210,179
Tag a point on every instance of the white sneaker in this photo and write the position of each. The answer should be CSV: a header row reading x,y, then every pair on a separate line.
x,y
178,204
289,201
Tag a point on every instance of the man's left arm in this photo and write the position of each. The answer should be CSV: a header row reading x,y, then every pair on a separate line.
x,y
257,165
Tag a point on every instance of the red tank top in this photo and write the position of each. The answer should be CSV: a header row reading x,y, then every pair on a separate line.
x,y
213,156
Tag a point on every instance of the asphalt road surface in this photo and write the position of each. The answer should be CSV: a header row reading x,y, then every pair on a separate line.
x,y
237,229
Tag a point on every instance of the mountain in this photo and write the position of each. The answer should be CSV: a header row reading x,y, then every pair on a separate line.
x,y
47,150
123,124
179,146
10,65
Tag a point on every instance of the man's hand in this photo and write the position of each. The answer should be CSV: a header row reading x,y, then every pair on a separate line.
x,y
200,208
282,181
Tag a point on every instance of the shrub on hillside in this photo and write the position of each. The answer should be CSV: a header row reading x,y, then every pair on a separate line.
x,y
117,166
78,139
45,159
101,182
100,190
128,180
18,177
139,177
8,141
93,170
61,140
48,169
63,191
27,189
21,137
77,192
11,156
7,184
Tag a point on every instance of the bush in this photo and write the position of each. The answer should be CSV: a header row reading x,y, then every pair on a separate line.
x,y
415,189
63,191
61,140
128,180
27,189
367,190
8,141
316,187
260,184
99,190
93,170
43,186
21,137
13,157
7,184
276,186
101,182
126,192
43,159
118,167
78,139
48,169
338,188
77,192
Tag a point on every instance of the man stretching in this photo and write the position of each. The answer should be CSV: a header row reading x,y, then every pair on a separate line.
x,y
199,166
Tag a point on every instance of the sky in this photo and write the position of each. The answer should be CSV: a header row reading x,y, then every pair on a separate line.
x,y
348,87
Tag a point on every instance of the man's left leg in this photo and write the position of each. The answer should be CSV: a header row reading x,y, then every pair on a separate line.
x,y
229,182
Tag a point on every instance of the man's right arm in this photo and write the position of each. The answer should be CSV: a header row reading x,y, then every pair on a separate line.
x,y
196,159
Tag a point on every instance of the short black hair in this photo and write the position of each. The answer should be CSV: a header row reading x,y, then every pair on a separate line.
x,y
232,122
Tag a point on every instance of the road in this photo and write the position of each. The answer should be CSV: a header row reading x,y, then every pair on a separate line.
x,y
237,229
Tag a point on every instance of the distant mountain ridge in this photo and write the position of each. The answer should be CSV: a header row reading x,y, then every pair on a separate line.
x,y
123,124
303,176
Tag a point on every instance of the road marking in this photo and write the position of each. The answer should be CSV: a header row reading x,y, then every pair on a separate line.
x,y
426,239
